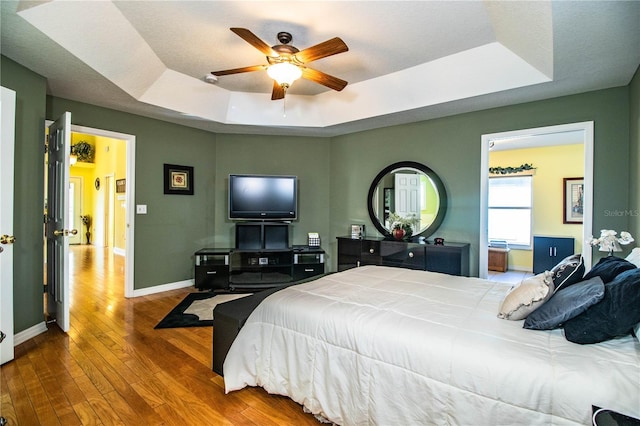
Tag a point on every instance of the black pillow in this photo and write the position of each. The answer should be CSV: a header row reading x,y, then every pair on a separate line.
x,y
608,268
569,271
566,304
615,315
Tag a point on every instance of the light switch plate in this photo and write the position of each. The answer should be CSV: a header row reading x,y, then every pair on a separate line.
x,y
141,209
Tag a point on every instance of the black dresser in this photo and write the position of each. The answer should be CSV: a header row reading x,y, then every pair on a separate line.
x,y
450,258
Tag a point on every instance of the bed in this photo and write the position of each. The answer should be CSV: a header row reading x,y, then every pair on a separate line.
x,y
391,346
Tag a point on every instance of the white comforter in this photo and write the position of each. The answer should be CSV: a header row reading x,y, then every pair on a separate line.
x,y
391,346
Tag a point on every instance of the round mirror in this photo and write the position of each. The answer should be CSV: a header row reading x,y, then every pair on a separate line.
x,y
407,193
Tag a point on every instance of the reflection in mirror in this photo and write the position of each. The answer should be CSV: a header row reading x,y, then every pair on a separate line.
x,y
408,192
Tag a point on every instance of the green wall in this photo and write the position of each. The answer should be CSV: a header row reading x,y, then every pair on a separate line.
x,y
335,174
28,207
307,158
451,147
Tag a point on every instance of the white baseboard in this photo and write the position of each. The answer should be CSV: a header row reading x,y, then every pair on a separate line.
x,y
520,268
164,287
29,333
119,251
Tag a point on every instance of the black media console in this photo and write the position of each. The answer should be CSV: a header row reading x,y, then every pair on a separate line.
x,y
262,259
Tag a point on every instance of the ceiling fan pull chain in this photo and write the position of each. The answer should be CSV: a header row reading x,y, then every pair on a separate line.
x,y
284,107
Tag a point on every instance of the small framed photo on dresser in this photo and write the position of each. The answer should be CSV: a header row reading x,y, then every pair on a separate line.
x,y
357,232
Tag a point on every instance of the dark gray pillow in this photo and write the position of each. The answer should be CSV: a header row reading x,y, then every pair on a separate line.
x,y
566,304
615,315
608,268
569,271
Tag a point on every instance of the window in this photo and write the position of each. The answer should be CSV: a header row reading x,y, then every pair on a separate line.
x,y
510,207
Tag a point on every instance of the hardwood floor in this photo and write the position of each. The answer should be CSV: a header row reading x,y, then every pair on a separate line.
x,y
114,368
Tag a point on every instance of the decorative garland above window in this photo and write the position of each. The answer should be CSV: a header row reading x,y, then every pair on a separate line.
x,y
510,170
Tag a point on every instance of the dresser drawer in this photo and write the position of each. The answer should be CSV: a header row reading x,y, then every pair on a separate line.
x,y
403,255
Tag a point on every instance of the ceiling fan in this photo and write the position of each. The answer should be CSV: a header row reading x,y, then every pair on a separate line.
x,y
286,63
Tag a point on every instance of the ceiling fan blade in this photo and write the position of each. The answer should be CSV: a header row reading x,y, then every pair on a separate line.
x,y
240,70
319,77
278,91
322,50
254,40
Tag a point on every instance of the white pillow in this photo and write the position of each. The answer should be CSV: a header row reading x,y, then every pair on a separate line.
x,y
634,257
527,296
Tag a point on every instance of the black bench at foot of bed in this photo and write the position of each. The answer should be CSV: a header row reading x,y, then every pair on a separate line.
x,y
229,317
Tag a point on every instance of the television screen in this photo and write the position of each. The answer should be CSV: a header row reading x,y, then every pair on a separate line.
x,y
263,197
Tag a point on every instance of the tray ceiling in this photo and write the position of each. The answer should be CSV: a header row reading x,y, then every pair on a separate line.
x,y
407,60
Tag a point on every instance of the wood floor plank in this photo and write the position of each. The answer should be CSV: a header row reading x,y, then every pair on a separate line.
x,y
114,368
25,412
6,404
95,376
38,396
85,413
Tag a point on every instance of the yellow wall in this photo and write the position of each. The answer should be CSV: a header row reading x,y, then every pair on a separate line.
x,y
110,161
552,164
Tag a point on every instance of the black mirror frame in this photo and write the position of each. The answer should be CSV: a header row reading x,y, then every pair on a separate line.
x,y
442,193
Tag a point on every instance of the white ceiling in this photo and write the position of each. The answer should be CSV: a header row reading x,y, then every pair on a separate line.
x,y
407,60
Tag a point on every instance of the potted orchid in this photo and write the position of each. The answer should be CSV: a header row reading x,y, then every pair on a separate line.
x,y
610,242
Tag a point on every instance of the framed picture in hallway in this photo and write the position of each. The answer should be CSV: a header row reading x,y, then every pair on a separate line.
x,y
121,186
573,200
178,179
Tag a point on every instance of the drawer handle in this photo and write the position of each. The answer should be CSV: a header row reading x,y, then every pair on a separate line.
x,y
212,272
371,251
410,254
309,269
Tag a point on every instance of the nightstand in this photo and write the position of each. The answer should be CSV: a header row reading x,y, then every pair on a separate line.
x,y
498,259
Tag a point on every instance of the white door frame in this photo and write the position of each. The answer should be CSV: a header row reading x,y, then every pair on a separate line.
x,y
129,197
109,200
586,128
77,204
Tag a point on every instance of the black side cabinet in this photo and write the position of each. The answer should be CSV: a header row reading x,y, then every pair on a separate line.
x,y
307,262
549,251
212,269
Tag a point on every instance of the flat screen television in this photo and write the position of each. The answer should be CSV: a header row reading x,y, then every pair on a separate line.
x,y
260,197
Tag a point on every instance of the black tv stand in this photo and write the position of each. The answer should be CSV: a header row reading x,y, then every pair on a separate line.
x,y
260,268
224,270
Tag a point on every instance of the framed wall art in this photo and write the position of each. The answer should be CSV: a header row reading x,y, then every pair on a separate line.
x,y
121,186
178,179
573,194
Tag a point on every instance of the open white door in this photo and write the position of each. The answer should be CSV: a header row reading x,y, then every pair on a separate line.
x,y
7,142
57,221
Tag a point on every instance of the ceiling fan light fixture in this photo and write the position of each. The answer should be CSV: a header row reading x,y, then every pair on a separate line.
x,y
284,73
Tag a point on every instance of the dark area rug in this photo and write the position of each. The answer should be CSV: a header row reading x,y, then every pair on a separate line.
x,y
177,317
